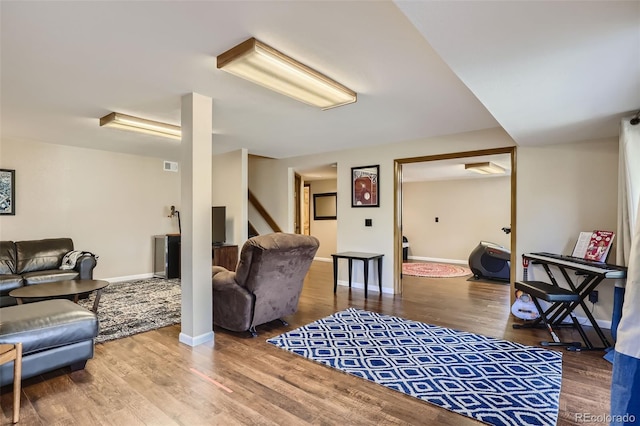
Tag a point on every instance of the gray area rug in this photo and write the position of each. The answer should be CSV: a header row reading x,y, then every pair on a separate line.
x,y
133,307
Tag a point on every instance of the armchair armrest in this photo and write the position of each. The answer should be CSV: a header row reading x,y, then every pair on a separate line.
x,y
232,304
85,265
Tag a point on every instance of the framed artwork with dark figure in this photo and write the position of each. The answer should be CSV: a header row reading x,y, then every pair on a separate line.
x,y
364,186
7,192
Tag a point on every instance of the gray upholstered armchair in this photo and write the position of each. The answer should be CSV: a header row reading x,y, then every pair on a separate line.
x,y
267,283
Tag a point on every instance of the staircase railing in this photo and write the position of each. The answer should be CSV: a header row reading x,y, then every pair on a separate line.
x,y
263,212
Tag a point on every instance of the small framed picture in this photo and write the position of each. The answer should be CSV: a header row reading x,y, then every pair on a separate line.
x,y
364,186
7,192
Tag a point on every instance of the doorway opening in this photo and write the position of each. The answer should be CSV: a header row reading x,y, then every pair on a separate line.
x,y
315,184
446,168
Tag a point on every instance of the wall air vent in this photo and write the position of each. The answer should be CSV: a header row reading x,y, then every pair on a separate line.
x,y
170,166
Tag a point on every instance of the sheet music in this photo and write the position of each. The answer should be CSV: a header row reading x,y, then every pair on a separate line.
x,y
580,250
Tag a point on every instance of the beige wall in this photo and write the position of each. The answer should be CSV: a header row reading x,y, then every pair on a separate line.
x,y
324,230
263,174
559,194
468,211
562,190
229,189
109,203
113,203
272,177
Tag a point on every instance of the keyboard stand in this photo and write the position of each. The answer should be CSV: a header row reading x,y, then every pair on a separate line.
x,y
565,301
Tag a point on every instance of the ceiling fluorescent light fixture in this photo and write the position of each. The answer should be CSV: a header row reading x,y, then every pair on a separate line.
x,y
129,122
487,168
264,65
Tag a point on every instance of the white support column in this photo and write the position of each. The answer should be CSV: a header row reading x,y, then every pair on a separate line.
x,y
197,306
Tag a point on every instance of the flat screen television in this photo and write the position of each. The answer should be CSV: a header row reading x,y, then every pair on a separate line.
x,y
218,225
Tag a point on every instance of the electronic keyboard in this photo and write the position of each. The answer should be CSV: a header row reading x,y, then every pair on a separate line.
x,y
579,264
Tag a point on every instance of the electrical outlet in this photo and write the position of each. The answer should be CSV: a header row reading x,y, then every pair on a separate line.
x,y
593,296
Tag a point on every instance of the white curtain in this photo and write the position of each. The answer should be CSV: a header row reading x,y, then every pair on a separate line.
x,y
628,205
628,188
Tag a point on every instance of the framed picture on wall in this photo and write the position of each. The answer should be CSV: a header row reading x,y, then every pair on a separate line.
x,y
325,206
7,192
364,186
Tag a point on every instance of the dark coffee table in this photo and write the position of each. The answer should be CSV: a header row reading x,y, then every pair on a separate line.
x,y
61,289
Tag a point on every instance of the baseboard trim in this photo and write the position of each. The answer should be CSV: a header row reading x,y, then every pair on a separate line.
x,y
601,323
371,288
128,278
439,260
196,340
323,259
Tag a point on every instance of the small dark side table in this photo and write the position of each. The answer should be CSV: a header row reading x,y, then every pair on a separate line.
x,y
365,257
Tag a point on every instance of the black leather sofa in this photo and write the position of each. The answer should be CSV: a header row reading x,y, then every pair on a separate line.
x,y
54,334
36,262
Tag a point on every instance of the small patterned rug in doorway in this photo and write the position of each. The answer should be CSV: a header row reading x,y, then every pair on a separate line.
x,y
435,270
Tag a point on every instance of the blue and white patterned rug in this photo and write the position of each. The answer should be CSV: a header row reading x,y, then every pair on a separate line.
x,y
491,380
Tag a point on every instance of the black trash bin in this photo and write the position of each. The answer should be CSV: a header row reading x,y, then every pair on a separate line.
x,y
405,248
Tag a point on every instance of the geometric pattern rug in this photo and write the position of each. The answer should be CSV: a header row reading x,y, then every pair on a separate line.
x,y
491,380
435,270
133,307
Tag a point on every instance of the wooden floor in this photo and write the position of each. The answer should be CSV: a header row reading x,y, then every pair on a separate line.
x,y
152,379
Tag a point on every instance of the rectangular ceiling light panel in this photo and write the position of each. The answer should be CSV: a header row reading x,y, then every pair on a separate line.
x,y
485,168
264,65
129,122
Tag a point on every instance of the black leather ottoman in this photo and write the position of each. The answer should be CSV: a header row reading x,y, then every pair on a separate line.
x,y
54,334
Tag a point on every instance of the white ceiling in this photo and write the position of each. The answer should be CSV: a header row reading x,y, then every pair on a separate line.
x,y
547,72
454,168
449,169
